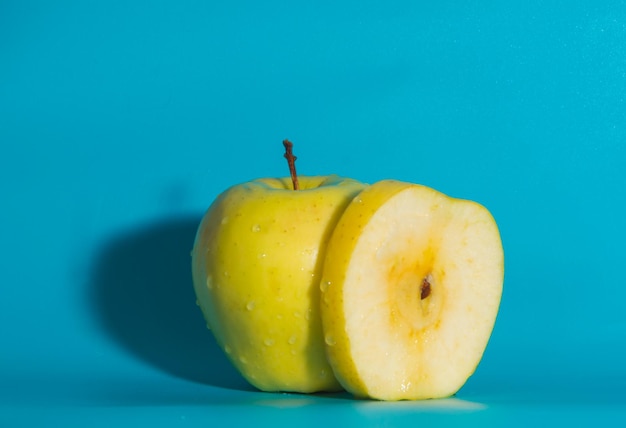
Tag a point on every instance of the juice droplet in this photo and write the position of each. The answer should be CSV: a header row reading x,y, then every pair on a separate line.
x,y
250,305
292,339
330,340
256,228
324,286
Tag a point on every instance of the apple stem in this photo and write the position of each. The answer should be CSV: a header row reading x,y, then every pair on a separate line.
x,y
291,161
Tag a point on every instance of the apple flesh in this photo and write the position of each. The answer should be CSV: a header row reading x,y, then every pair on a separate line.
x,y
410,291
256,266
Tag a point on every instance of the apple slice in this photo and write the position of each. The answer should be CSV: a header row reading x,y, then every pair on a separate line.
x,y
411,287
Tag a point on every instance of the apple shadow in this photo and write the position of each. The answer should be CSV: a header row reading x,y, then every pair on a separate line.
x,y
143,298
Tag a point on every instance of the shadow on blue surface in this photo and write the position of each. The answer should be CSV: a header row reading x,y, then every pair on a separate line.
x,y
142,294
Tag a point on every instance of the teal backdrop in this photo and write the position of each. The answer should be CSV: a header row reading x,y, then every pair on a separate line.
x,y
121,121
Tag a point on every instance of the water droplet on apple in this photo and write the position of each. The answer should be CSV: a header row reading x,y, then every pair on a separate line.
x,y
256,228
324,286
208,326
243,360
250,305
209,282
330,340
292,339
224,220
297,314
228,349
268,342
323,373
262,256
197,302
293,352
307,315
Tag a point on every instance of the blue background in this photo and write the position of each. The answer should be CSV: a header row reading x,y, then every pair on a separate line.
x,y
121,121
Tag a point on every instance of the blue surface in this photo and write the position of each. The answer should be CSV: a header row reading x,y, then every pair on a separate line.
x,y
121,121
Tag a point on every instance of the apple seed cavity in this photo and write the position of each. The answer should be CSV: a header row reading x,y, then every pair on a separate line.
x,y
425,289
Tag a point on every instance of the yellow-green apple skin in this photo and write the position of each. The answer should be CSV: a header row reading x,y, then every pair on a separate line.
x,y
410,292
256,266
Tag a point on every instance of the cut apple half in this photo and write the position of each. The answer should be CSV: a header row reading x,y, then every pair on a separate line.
x,y
411,287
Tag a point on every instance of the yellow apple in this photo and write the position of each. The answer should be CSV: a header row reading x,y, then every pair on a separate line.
x,y
411,287
256,264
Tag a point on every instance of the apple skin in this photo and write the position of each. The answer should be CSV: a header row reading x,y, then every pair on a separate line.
x,y
256,266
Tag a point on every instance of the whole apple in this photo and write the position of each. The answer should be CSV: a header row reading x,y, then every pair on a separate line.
x,y
257,264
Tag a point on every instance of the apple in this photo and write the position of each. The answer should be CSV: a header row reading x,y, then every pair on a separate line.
x,y
410,290
256,266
